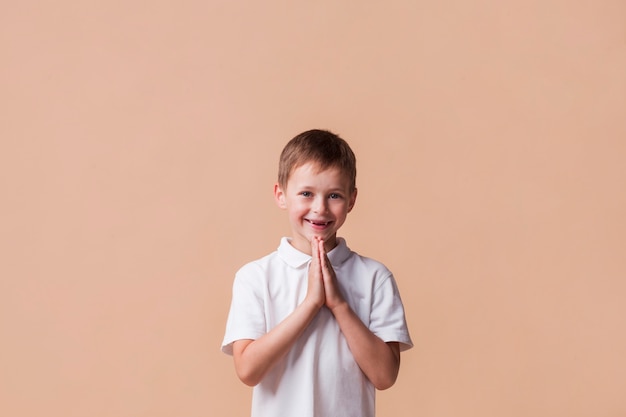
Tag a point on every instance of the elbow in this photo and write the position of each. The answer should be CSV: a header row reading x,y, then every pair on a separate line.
x,y
249,382
248,378
388,373
387,376
247,371
385,381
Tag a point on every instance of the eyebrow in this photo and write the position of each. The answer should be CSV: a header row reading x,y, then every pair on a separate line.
x,y
329,191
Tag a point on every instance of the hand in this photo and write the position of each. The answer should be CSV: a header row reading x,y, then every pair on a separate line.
x,y
333,296
315,290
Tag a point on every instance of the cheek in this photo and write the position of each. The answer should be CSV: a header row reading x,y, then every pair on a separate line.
x,y
340,209
297,208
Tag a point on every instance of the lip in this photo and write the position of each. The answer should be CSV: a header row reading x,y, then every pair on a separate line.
x,y
320,224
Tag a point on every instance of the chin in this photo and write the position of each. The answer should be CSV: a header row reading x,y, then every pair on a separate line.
x,y
328,238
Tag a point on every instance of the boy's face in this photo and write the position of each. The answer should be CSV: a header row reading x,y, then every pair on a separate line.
x,y
317,203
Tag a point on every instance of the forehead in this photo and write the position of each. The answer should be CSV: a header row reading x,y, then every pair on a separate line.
x,y
312,172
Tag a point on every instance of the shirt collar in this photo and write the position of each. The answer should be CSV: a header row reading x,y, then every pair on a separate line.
x,y
294,258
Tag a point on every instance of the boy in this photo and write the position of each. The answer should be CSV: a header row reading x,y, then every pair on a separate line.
x,y
315,327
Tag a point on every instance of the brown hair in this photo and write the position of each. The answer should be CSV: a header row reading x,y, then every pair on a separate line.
x,y
321,147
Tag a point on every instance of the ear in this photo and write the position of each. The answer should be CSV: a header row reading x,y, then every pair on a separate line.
x,y
352,200
279,196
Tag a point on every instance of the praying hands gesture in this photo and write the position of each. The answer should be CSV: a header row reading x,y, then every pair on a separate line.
x,y
379,361
323,288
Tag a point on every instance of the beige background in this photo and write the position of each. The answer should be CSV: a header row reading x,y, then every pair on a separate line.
x,y
139,148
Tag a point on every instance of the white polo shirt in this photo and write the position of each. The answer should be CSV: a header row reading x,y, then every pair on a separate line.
x,y
319,376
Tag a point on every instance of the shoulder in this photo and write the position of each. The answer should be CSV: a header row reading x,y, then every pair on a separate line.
x,y
350,259
258,266
370,272
357,260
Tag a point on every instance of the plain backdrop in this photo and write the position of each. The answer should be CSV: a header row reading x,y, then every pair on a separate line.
x,y
139,144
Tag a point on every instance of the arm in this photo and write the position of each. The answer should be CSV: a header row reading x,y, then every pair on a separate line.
x,y
254,358
379,361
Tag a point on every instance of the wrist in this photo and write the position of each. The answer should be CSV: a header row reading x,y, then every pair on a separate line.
x,y
340,307
310,304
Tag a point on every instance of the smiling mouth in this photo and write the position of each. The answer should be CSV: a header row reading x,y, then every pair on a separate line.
x,y
317,223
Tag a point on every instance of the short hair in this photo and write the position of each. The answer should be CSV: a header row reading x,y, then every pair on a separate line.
x,y
322,147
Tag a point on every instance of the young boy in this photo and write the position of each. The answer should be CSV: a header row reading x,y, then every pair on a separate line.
x,y
313,326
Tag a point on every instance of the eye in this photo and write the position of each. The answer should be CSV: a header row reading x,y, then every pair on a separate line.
x,y
306,194
334,196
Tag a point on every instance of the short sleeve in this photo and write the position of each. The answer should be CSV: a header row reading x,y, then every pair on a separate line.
x,y
387,319
246,318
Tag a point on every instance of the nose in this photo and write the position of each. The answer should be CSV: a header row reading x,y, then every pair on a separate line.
x,y
320,205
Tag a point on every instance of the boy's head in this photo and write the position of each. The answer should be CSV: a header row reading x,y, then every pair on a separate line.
x,y
321,148
316,185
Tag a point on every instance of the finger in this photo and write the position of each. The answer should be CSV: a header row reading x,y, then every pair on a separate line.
x,y
316,261
324,261
314,249
318,252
